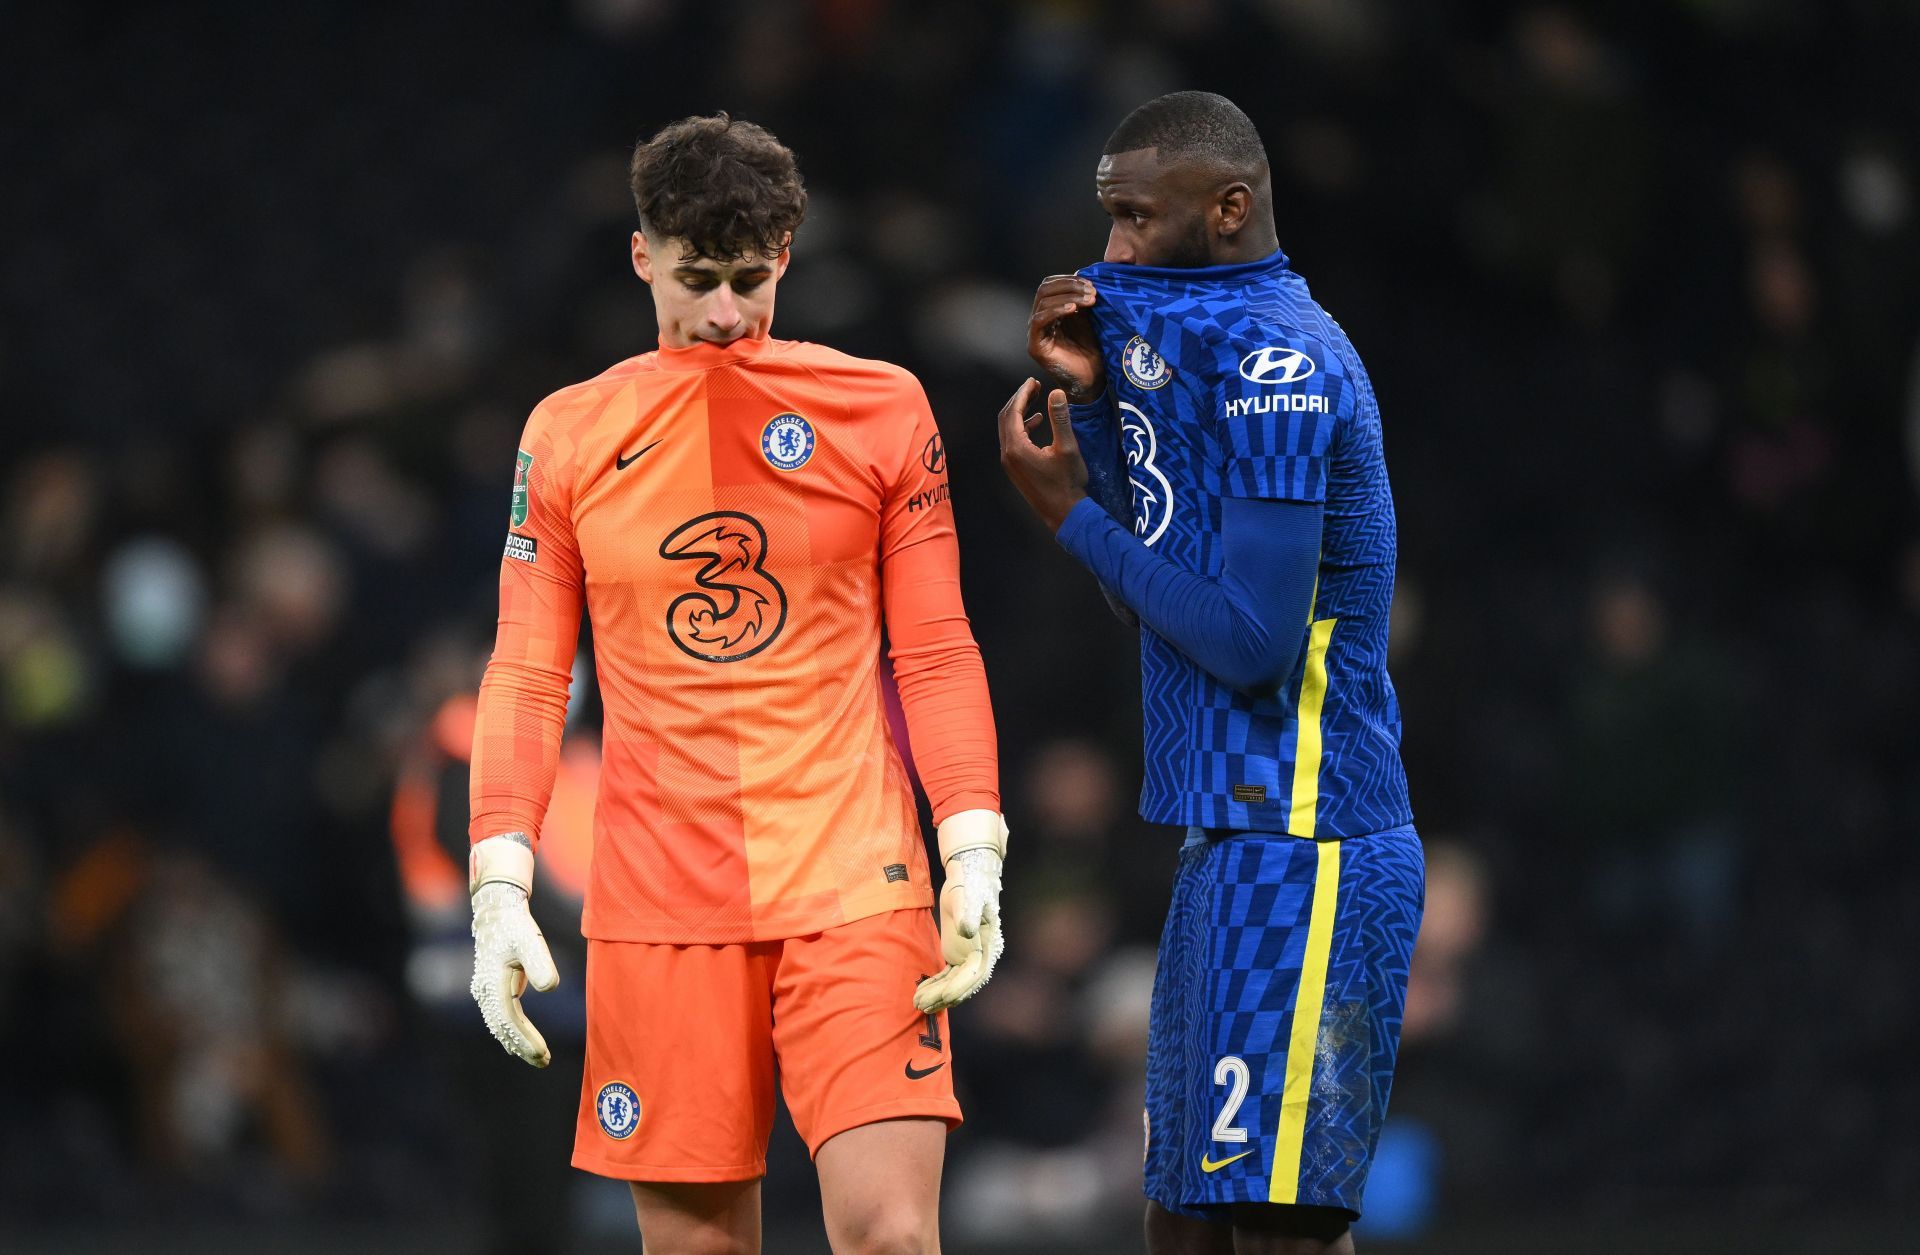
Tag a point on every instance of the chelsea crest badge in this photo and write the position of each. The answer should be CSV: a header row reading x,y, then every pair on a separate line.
x,y
787,441
618,1108
1143,367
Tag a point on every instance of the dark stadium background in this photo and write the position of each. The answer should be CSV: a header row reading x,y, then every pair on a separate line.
x,y
1639,286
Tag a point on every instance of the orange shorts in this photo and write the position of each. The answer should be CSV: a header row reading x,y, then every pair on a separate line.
x,y
682,1043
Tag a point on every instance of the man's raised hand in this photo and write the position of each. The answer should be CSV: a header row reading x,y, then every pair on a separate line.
x,y
1054,477
1060,336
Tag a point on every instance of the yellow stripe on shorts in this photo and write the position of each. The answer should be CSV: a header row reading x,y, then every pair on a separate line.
x,y
1304,1041
1306,750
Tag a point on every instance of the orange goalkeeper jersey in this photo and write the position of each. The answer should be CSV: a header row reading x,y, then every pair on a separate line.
x,y
740,521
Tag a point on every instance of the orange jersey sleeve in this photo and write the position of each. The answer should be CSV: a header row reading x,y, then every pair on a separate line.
x,y
936,664
740,520
523,698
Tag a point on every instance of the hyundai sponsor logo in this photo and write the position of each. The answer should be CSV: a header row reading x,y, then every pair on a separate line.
x,y
1274,365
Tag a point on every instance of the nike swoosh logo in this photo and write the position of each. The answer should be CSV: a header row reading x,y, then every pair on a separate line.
x,y
1214,1165
621,464
914,1074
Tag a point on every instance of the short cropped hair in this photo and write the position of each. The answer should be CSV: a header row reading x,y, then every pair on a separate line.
x,y
1191,124
728,188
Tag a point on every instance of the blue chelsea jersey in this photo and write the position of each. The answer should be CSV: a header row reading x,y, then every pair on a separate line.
x,y
1230,381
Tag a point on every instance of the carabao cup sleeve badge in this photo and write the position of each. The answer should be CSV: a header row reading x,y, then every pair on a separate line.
x,y
522,468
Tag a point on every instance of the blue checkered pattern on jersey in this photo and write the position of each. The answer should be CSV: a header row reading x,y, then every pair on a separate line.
x,y
1263,396
1229,977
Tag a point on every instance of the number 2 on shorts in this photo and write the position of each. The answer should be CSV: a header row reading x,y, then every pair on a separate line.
x,y
1231,1071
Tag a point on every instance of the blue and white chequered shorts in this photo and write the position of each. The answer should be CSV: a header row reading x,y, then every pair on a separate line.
x,y
1276,1017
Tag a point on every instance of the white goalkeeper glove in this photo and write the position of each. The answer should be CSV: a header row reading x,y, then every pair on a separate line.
x,y
972,847
509,953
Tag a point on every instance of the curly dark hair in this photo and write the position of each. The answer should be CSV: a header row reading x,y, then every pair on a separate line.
x,y
728,188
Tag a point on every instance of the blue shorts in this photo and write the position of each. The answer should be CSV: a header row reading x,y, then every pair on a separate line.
x,y
1247,1101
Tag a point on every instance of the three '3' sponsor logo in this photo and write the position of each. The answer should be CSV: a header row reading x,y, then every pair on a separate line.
x,y
1152,494
736,608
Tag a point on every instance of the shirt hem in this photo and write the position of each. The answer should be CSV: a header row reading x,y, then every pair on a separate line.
x,y
670,932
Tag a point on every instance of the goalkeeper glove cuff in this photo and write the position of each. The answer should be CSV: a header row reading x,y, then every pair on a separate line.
x,y
505,859
972,830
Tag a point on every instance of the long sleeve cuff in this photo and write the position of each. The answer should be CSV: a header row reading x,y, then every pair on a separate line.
x,y
1086,521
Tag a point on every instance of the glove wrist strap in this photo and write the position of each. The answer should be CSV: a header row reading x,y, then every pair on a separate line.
x,y
972,830
504,859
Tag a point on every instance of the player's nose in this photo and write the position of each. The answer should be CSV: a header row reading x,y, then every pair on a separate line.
x,y
723,314
1118,250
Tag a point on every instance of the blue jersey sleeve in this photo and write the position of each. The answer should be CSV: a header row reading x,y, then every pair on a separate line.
x,y
1097,429
1278,419
1245,628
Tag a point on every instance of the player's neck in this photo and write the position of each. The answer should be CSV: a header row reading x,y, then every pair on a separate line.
x,y
1246,246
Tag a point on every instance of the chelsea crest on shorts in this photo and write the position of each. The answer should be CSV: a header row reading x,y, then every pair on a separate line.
x,y
619,1110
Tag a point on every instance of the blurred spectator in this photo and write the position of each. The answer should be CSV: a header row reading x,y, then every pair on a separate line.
x,y
1656,741
518,1142
192,980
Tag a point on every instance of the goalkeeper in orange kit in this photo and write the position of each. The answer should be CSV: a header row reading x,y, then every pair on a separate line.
x,y
741,516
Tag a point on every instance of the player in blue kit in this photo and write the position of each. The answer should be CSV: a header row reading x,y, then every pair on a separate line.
x,y
1230,441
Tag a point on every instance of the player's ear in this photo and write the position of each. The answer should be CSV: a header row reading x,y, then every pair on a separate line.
x,y
642,258
784,260
1232,208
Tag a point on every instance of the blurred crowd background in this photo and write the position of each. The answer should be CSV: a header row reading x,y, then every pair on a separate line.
x,y
1639,287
